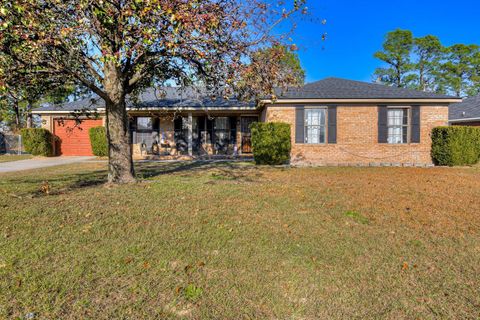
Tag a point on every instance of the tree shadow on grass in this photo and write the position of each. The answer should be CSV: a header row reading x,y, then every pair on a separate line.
x,y
220,170
35,186
56,184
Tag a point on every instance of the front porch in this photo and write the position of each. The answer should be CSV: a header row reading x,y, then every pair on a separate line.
x,y
190,135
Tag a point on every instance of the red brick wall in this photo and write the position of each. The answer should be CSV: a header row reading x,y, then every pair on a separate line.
x,y
357,141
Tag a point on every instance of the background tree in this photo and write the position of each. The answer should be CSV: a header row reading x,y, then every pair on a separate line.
x,y
475,75
429,52
458,70
116,48
20,92
396,53
425,64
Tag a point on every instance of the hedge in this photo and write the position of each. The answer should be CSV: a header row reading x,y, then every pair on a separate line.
x,y
98,140
455,145
271,142
37,141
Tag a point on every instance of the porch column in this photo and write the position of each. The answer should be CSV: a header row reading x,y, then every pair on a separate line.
x,y
190,134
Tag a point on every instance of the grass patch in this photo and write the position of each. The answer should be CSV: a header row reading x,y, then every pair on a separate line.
x,y
357,217
200,240
14,157
192,292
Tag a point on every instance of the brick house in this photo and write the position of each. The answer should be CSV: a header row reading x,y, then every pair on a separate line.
x,y
333,122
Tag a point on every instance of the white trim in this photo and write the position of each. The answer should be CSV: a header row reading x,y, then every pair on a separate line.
x,y
174,109
52,112
465,120
384,101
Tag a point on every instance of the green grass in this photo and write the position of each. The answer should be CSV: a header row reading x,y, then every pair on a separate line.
x,y
234,241
14,157
357,217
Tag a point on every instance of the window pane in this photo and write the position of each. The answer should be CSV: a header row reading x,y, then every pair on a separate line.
x,y
322,134
144,123
404,134
221,123
395,135
395,117
313,135
397,122
315,125
405,117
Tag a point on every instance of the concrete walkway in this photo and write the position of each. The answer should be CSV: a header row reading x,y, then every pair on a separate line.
x,y
39,163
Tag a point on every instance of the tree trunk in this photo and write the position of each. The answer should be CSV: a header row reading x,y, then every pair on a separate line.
x,y
29,116
16,110
120,162
423,85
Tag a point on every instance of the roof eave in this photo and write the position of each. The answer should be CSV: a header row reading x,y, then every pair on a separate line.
x,y
376,100
147,109
65,111
464,120
240,108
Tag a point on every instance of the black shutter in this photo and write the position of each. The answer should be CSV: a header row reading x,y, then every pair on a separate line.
x,y
156,124
178,124
133,129
382,124
415,133
156,129
233,130
299,124
332,124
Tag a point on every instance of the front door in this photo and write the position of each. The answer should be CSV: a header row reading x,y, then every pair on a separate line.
x,y
247,133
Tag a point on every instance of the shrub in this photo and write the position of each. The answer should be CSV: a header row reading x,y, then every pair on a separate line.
x,y
37,141
271,142
455,145
98,140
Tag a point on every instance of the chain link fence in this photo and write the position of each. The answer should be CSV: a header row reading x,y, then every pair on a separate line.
x,y
11,143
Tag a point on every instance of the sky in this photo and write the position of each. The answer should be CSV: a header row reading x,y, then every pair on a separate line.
x,y
356,29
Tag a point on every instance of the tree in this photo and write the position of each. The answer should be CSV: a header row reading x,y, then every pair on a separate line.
x,y
116,48
428,51
20,92
271,68
475,75
397,49
458,71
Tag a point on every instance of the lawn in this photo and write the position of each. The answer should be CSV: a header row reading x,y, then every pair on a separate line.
x,y
231,240
14,157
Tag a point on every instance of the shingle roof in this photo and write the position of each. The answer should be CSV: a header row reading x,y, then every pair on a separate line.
x,y
336,88
167,97
88,104
469,108
194,98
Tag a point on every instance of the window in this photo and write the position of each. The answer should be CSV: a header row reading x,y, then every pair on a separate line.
x,y
397,123
144,123
315,129
144,132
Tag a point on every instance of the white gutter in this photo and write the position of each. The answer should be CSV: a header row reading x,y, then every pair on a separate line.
x,y
289,101
102,110
56,111
192,109
465,120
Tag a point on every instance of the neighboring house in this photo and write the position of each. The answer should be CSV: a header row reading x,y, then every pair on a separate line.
x,y
465,113
333,121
